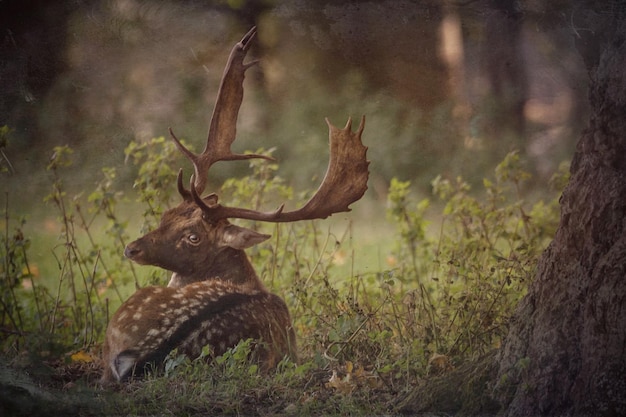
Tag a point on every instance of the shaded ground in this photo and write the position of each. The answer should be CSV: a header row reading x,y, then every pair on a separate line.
x,y
59,389
50,389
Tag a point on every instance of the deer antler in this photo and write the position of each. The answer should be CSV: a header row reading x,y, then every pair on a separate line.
x,y
344,183
223,127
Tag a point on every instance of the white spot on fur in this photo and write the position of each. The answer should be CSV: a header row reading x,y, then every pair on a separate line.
x,y
180,319
179,312
153,332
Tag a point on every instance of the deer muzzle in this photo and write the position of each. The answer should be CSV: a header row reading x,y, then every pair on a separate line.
x,y
132,251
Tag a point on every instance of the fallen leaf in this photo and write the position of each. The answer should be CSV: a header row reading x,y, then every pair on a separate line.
x,y
341,385
82,356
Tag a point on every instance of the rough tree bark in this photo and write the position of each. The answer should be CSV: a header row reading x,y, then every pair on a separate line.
x,y
566,349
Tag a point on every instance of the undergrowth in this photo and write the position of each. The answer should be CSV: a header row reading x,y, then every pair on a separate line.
x,y
363,338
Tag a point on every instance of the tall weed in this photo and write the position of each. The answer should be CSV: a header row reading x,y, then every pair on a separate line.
x,y
459,288
445,297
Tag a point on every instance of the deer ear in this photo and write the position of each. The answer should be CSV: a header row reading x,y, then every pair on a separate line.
x,y
241,238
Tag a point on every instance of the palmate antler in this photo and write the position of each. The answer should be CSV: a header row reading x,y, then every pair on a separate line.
x,y
223,127
344,183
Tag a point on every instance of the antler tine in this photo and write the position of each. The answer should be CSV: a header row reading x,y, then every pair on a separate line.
x,y
344,183
215,211
187,196
223,126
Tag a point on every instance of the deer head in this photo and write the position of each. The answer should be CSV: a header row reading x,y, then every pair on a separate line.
x,y
213,280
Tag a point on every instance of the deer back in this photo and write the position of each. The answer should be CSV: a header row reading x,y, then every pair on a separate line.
x,y
155,320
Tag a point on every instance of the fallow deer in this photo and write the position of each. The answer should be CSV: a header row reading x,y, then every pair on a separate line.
x,y
215,297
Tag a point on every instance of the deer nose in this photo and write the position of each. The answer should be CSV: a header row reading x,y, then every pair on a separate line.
x,y
130,252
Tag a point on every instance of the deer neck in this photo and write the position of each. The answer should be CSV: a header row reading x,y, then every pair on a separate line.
x,y
231,265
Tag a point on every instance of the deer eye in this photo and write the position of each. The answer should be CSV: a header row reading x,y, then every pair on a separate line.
x,y
193,238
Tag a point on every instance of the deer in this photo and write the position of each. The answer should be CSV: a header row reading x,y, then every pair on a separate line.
x,y
214,297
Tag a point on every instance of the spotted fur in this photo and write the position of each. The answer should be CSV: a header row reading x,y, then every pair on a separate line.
x,y
155,320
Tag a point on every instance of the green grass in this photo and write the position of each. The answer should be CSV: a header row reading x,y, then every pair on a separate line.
x,y
381,299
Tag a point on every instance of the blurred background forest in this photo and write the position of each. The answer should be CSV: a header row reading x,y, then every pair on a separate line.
x,y
448,87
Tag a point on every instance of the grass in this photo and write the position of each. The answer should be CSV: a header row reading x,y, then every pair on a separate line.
x,y
379,308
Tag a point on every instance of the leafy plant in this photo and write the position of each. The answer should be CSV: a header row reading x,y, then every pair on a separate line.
x,y
467,281
460,263
5,163
156,179
14,270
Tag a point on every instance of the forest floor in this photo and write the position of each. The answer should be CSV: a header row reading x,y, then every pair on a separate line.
x,y
72,389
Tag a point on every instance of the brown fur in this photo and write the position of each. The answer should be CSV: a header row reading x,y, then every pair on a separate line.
x,y
155,320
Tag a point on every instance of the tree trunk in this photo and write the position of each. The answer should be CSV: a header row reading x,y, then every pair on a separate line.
x,y
565,353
